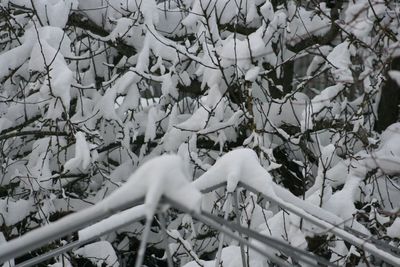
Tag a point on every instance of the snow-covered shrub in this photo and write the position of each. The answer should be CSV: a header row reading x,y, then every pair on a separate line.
x,y
93,92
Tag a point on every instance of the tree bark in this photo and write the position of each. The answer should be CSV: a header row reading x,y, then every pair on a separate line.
x,y
388,109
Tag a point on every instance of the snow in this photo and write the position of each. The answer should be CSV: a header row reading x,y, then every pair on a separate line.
x,y
251,74
381,219
74,102
286,111
53,13
169,85
208,117
99,253
151,125
254,215
339,252
241,52
303,23
48,55
319,61
339,57
285,228
164,175
14,58
395,75
113,222
387,155
242,165
236,118
105,105
39,164
9,263
359,17
161,176
230,256
267,11
4,124
342,204
325,101
14,211
394,230
327,153
49,42
238,165
82,157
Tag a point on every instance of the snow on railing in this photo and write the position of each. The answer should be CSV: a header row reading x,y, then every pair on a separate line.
x,y
241,168
164,175
164,180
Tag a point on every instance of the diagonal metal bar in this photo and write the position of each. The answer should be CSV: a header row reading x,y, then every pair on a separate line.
x,y
383,245
66,225
296,253
54,253
352,239
222,236
272,257
75,244
242,252
143,242
213,187
76,221
374,249
163,224
78,243
71,223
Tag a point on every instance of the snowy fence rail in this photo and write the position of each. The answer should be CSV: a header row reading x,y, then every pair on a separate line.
x,y
90,90
140,198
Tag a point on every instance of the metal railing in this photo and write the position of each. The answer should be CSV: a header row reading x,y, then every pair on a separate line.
x,y
41,236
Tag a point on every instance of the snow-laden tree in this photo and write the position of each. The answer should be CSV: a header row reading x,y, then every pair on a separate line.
x,y
283,116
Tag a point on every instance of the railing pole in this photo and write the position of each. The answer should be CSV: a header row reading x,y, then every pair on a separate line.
x,y
64,226
242,252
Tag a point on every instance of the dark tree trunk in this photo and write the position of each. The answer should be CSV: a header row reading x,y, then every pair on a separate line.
x,y
287,78
388,110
